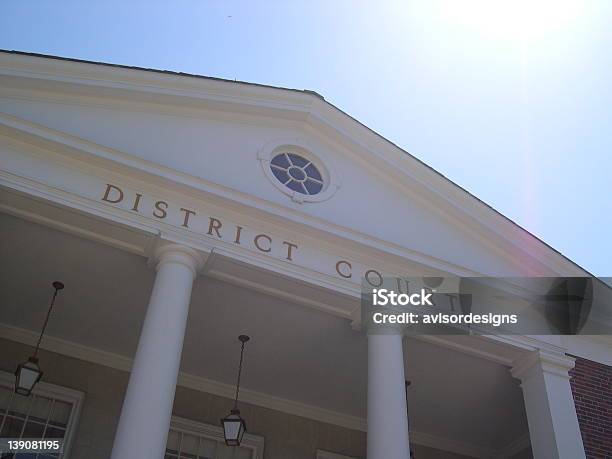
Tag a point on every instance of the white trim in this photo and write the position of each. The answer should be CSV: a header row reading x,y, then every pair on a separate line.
x,y
597,348
71,396
301,147
138,222
286,295
514,346
253,442
440,340
71,229
557,364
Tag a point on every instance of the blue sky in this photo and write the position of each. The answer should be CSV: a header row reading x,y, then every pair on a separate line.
x,y
512,101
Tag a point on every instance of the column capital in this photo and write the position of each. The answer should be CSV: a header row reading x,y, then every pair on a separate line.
x,y
170,252
547,362
549,404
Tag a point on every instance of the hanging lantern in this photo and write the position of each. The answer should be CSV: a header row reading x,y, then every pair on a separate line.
x,y
234,426
28,373
26,376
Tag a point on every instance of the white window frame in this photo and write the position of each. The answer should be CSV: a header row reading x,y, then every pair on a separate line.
x,y
331,179
329,455
253,442
64,394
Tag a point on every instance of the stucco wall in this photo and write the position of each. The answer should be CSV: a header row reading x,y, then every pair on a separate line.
x,y
286,436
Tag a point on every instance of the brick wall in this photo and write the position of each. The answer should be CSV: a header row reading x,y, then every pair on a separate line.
x,y
592,388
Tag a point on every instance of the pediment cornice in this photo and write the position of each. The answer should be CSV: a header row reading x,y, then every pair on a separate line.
x,y
412,177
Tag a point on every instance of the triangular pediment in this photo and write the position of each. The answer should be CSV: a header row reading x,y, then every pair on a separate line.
x,y
220,138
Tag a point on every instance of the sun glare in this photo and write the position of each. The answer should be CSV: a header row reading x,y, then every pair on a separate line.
x,y
518,20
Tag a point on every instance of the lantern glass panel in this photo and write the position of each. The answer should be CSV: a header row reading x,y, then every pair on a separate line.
x,y
27,376
233,429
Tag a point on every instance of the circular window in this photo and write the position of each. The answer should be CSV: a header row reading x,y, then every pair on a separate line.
x,y
293,168
297,173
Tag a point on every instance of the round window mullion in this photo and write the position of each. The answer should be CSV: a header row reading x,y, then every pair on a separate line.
x,y
297,173
313,187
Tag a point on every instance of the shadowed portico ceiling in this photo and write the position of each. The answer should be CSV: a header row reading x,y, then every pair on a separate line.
x,y
297,353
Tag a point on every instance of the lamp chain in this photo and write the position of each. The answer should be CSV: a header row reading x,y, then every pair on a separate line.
x,y
239,373
45,324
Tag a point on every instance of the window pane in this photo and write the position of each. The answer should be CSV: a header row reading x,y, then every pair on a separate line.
x,y
60,413
54,432
297,160
205,444
313,187
33,430
313,172
232,452
173,442
207,449
35,413
280,160
19,405
281,175
296,186
40,408
5,396
12,427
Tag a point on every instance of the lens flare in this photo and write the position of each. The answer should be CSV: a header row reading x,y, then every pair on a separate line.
x,y
520,20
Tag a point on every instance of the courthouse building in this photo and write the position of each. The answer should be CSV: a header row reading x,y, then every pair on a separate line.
x,y
182,211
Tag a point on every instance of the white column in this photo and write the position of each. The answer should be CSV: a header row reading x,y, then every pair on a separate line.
x,y
387,416
145,417
551,413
